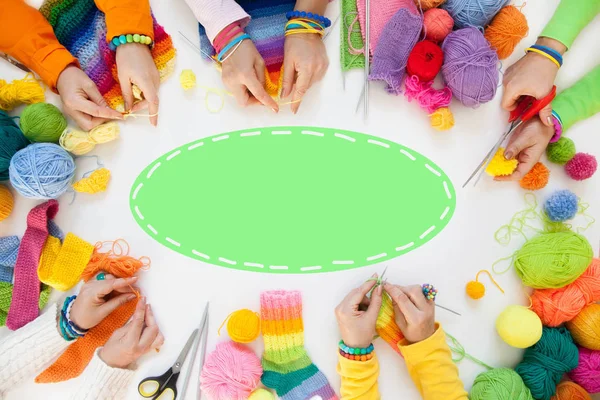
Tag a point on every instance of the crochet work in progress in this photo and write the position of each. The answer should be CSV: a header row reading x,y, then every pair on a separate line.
x,y
81,28
287,367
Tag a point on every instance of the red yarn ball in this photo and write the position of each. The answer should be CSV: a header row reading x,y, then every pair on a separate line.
x,y
582,166
437,24
425,60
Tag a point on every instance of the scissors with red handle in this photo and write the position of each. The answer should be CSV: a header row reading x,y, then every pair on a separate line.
x,y
527,108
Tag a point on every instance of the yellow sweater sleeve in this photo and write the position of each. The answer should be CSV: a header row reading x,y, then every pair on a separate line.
x,y
431,368
359,379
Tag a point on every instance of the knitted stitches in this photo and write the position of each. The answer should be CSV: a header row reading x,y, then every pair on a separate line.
x,y
81,28
9,248
287,367
348,51
26,291
386,326
61,267
6,291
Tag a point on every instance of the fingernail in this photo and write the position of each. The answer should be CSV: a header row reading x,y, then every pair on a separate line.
x,y
549,121
380,289
508,155
131,297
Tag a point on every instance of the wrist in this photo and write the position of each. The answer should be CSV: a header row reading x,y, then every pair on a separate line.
x,y
106,360
552,43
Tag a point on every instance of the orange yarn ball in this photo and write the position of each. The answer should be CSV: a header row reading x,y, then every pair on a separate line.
x,y
570,391
427,4
537,178
437,24
507,29
475,290
585,327
6,202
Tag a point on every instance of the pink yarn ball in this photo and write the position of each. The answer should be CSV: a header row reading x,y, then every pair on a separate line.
x,y
582,166
231,372
437,24
587,373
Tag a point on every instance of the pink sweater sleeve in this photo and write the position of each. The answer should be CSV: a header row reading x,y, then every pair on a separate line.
x,y
215,15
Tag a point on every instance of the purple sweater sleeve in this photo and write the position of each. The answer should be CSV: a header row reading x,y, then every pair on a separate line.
x,y
215,15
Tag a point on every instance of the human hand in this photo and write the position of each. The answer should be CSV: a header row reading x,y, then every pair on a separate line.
x,y
357,315
527,145
133,340
135,66
414,314
305,63
81,99
244,76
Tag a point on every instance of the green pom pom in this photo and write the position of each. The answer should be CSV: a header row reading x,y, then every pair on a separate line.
x,y
561,152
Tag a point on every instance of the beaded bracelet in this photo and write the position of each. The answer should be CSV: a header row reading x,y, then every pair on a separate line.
x,y
315,17
356,353
550,56
129,38
357,357
558,128
68,329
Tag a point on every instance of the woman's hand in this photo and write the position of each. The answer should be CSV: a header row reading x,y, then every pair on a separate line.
x,y
135,66
97,299
81,99
305,63
414,314
133,340
357,315
244,76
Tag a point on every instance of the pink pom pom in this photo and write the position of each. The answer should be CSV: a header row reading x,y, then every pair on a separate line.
x,y
587,373
582,166
428,98
231,372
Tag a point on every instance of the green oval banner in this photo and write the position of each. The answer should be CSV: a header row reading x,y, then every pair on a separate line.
x,y
292,200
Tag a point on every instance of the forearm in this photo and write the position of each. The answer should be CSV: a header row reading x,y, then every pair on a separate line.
x,y
580,101
313,6
359,379
126,17
569,19
215,15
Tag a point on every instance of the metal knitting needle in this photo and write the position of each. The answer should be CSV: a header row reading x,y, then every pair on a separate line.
x,y
332,26
202,356
447,309
198,49
367,56
201,331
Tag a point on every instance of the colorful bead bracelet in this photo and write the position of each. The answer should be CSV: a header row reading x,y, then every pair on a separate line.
x,y
68,329
326,22
356,353
429,291
129,38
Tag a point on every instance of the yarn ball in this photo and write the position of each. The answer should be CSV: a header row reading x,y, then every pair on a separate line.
x,y
499,384
585,327
187,79
553,260
79,142
587,373
428,4
500,166
581,167
507,29
243,326
561,206
42,122
556,306
11,141
519,327
261,394
41,171
437,24
537,178
425,60
6,202
442,119
231,372
475,13
547,361
570,391
475,290
470,66
561,152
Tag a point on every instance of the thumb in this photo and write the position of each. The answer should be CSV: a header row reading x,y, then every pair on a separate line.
x,y
289,72
546,115
516,145
375,305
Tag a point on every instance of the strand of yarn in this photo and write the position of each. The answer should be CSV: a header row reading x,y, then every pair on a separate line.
x,y
429,99
20,91
79,142
520,222
116,261
457,348
476,289
507,29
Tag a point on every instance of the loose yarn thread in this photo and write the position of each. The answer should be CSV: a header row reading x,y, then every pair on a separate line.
x,y
80,143
116,261
476,289
20,91
429,99
457,348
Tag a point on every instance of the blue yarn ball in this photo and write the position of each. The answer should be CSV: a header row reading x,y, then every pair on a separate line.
x,y
477,13
41,171
561,206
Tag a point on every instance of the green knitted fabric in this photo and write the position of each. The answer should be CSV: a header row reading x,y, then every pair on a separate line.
x,y
349,60
6,290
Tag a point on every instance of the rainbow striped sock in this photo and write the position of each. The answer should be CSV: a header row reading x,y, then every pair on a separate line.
x,y
287,367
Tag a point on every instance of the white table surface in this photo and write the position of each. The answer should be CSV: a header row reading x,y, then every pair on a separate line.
x,y
178,287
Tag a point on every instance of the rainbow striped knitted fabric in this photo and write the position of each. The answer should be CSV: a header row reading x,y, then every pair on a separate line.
x,y
81,28
286,365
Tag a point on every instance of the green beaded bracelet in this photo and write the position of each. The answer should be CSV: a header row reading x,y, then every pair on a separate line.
x,y
129,38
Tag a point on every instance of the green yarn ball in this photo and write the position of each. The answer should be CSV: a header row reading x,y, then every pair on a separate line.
x,y
545,363
42,122
499,384
553,260
561,152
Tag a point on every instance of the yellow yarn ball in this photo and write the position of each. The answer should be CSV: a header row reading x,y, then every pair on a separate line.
x,y
585,327
519,327
442,119
243,326
79,142
500,166
187,79
261,394
475,290
6,202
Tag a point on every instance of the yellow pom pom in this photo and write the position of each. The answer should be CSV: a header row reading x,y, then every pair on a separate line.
x,y
519,327
187,79
79,142
500,166
475,290
243,326
261,394
95,183
6,202
442,119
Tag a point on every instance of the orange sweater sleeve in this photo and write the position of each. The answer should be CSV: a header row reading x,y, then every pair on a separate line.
x,y
126,17
27,36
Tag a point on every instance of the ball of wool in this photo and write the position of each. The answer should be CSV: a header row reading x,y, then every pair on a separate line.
x,y
507,29
470,67
476,13
585,327
537,178
499,384
187,79
562,151
437,24
261,394
243,326
11,141
553,260
231,372
41,171
500,166
6,202
561,206
425,60
581,167
570,391
428,4
42,122
587,373
475,290
442,119
519,327
547,361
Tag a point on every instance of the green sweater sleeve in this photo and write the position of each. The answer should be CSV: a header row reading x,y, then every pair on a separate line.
x,y
569,19
580,101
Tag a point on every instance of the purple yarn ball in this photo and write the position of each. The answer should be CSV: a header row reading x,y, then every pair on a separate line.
x,y
582,166
470,67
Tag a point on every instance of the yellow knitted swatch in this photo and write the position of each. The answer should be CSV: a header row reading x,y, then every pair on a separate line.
x,y
500,166
95,183
61,267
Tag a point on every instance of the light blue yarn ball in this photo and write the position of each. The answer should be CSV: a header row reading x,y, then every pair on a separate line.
x,y
477,13
561,206
41,171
